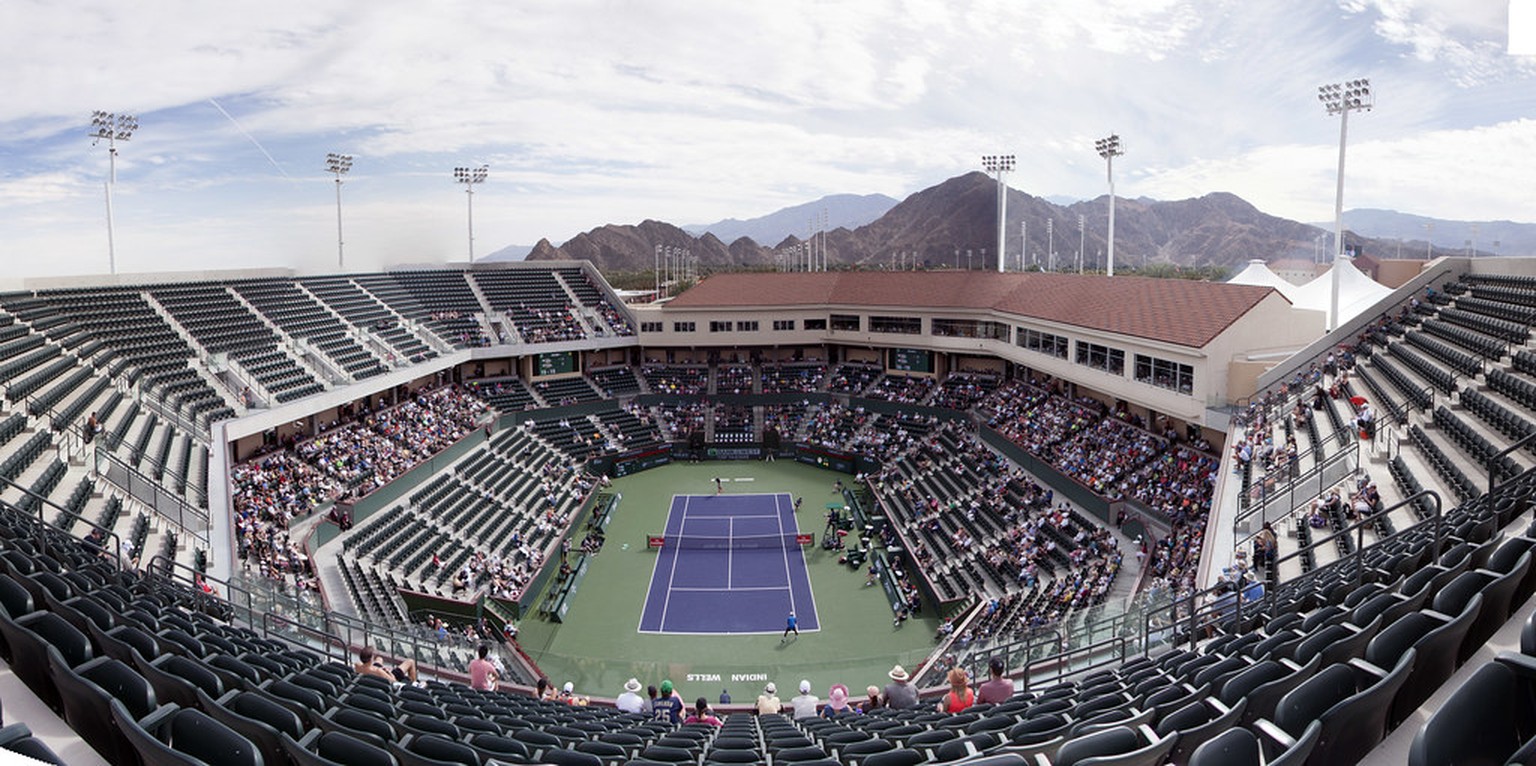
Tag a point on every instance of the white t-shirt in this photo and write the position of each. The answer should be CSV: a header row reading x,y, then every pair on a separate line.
x,y
805,705
630,702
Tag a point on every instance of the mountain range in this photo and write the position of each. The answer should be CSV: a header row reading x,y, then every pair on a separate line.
x,y
1495,237
840,211
954,225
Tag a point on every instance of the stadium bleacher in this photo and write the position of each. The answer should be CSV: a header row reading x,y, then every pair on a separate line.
x,y
1386,613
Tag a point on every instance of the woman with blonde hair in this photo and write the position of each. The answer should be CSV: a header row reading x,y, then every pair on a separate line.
x,y
960,695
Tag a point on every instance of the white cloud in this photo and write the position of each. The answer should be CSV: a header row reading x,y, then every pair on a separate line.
x,y
616,110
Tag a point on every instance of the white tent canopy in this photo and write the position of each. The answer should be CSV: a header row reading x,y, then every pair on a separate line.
x,y
1258,273
1357,292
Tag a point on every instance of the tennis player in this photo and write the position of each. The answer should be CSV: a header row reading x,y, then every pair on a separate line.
x,y
791,625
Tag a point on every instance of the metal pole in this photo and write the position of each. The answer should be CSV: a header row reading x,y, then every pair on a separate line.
x,y
1002,221
470,191
1082,239
1338,226
1110,264
339,262
111,179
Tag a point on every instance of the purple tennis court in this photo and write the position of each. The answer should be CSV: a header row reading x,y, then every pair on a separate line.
x,y
730,564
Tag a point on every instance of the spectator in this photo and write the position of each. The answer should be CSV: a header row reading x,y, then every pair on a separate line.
x,y
631,701
997,689
837,702
725,696
805,702
960,695
872,700
482,673
899,693
667,707
368,664
768,701
702,714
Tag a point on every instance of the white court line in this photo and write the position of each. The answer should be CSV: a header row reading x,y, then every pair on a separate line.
x,y
654,566
804,564
730,550
701,589
789,581
672,575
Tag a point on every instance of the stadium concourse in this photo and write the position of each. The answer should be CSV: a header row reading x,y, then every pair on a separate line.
x,y
1334,554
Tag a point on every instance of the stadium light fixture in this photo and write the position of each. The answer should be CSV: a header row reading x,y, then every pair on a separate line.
x,y
112,127
1109,148
999,165
1341,98
470,177
338,164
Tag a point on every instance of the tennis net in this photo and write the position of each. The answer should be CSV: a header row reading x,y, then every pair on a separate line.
x,y
732,542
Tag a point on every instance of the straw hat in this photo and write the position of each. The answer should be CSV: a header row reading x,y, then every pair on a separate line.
x,y
770,688
899,674
632,685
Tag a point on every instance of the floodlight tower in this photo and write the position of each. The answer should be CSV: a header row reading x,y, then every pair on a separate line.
x,y
470,177
1341,99
998,165
338,164
1082,239
114,128
1109,149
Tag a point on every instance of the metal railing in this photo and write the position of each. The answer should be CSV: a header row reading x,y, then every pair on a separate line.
x,y
1282,501
168,505
1211,607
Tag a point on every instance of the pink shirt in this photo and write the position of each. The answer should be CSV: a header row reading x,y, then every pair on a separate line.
x,y
480,671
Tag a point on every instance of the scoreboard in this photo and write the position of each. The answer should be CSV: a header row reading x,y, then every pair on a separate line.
x,y
557,363
910,360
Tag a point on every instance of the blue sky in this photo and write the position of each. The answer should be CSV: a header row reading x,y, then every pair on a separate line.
x,y
590,112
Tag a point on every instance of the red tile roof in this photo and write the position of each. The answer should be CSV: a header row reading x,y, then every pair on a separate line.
x,y
1175,311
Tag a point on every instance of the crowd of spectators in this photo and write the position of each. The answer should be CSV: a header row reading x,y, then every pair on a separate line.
x,y
733,379
793,378
615,320
542,325
355,455
1052,559
676,379
852,378
373,449
1102,454
962,390
905,389
677,421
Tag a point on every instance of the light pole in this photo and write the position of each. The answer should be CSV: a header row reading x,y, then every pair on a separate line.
x,y
1109,149
998,165
470,177
1341,99
1050,242
338,164
1082,239
114,128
